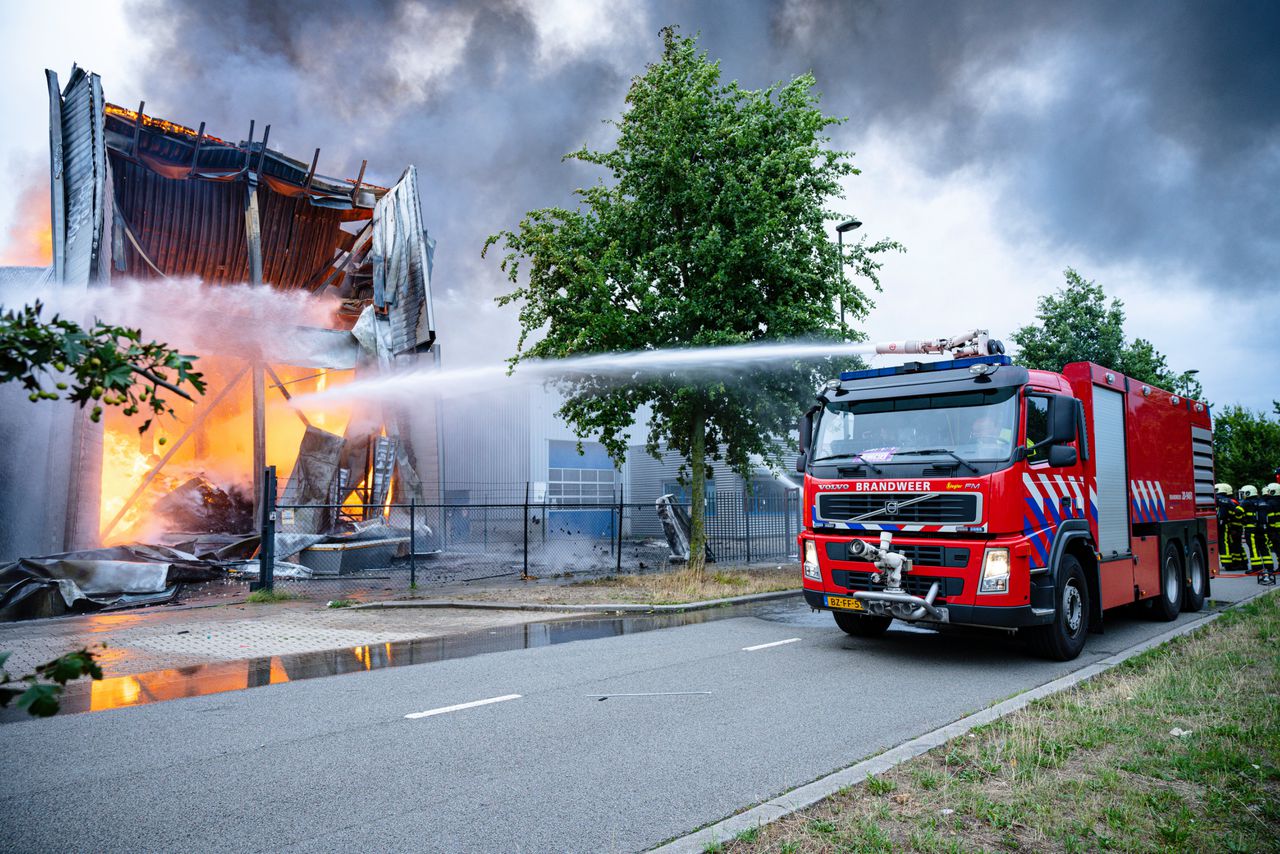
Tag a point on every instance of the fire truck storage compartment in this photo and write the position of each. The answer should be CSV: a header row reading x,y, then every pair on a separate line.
x,y
1109,459
1146,566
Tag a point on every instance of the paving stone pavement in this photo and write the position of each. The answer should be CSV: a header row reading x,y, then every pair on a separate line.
x,y
139,642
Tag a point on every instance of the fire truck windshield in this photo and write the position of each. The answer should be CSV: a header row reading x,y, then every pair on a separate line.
x,y
975,425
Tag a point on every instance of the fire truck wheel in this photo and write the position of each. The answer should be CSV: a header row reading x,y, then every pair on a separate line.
x,y
1197,581
1063,639
862,627
1165,607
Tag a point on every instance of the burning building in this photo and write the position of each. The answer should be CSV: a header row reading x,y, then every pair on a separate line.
x,y
179,219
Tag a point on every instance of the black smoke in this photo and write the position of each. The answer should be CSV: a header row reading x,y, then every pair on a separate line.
x,y
1140,131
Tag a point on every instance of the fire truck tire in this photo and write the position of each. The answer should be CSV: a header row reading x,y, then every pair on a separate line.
x,y
1168,603
862,627
1063,639
1197,581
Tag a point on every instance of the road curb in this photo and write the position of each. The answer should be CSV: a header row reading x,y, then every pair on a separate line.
x,y
620,608
824,787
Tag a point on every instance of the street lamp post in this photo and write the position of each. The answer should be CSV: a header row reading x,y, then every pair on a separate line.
x,y
1187,377
847,225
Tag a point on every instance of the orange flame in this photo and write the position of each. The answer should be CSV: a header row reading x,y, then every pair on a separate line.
x,y
29,242
158,124
221,449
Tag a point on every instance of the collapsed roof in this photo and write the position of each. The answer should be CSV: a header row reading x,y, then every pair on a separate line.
x,y
141,197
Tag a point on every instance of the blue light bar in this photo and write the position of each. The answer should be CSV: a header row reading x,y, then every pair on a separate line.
x,y
919,367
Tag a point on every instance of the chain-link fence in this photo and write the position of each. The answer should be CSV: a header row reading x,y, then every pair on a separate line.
x,y
390,548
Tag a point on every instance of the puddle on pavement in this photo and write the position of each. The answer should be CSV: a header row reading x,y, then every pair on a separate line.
x,y
218,677
116,692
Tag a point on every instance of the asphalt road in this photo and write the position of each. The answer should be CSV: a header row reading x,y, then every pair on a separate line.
x,y
334,764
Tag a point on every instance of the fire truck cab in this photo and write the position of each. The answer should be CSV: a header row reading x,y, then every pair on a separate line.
x,y
977,492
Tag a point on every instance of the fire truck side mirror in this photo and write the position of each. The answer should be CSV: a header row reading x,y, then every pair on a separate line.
x,y
1062,419
1061,456
806,436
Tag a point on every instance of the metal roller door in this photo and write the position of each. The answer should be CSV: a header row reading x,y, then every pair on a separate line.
x,y
1113,486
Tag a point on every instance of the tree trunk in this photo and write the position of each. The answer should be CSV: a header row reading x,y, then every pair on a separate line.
x,y
698,510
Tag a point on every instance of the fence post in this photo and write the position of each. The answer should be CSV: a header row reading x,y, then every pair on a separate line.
x,y
544,516
618,567
413,542
525,573
746,513
267,546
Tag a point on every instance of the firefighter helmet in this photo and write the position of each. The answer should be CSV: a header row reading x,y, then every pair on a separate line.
x,y
1271,489
1222,488
1248,491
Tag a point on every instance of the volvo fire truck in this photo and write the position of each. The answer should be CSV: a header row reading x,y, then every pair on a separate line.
x,y
972,491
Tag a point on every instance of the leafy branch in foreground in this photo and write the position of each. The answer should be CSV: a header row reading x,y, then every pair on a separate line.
x,y
104,363
38,692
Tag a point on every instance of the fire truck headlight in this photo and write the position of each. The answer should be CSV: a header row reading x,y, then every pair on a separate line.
x,y
995,572
811,570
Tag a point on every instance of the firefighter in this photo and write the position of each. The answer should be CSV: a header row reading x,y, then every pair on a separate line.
x,y
1230,517
1271,517
1255,535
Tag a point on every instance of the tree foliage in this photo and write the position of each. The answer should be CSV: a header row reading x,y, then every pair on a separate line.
x,y
1078,324
38,692
1246,445
709,230
106,364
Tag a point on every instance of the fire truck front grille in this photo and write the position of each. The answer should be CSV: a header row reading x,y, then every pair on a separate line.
x,y
916,585
919,555
941,508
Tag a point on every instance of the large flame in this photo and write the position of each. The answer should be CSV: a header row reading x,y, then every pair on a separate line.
x,y
220,449
29,241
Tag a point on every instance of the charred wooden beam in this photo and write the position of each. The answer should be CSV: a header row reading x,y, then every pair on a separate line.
x,y
203,413
340,268
262,158
355,192
284,391
137,127
248,147
195,152
311,173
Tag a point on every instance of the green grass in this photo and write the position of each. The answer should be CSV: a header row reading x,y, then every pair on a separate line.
x,y
263,596
340,603
1093,768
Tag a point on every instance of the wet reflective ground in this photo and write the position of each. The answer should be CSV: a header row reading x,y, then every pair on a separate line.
x,y
217,677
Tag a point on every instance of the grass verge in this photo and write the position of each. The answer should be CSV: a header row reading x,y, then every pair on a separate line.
x,y
263,596
1176,749
677,587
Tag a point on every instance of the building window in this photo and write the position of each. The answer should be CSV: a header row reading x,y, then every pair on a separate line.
x,y
586,478
581,486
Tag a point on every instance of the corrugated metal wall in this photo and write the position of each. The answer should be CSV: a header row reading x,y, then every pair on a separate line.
x,y
83,252
486,443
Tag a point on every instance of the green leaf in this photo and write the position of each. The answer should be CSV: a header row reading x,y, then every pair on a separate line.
x,y
40,700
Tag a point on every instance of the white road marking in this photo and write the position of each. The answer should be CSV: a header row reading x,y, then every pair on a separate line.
x,y
445,709
767,645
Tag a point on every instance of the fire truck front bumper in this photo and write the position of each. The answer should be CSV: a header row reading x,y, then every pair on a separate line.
x,y
992,616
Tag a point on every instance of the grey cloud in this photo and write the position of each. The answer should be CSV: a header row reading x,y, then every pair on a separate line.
x,y
1159,146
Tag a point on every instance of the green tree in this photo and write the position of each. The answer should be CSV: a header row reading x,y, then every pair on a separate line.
x,y
710,230
1078,324
105,364
1246,445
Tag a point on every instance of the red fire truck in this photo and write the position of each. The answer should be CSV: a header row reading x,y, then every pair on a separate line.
x,y
977,492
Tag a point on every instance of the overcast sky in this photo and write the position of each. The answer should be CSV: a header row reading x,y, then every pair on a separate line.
x,y
1001,142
